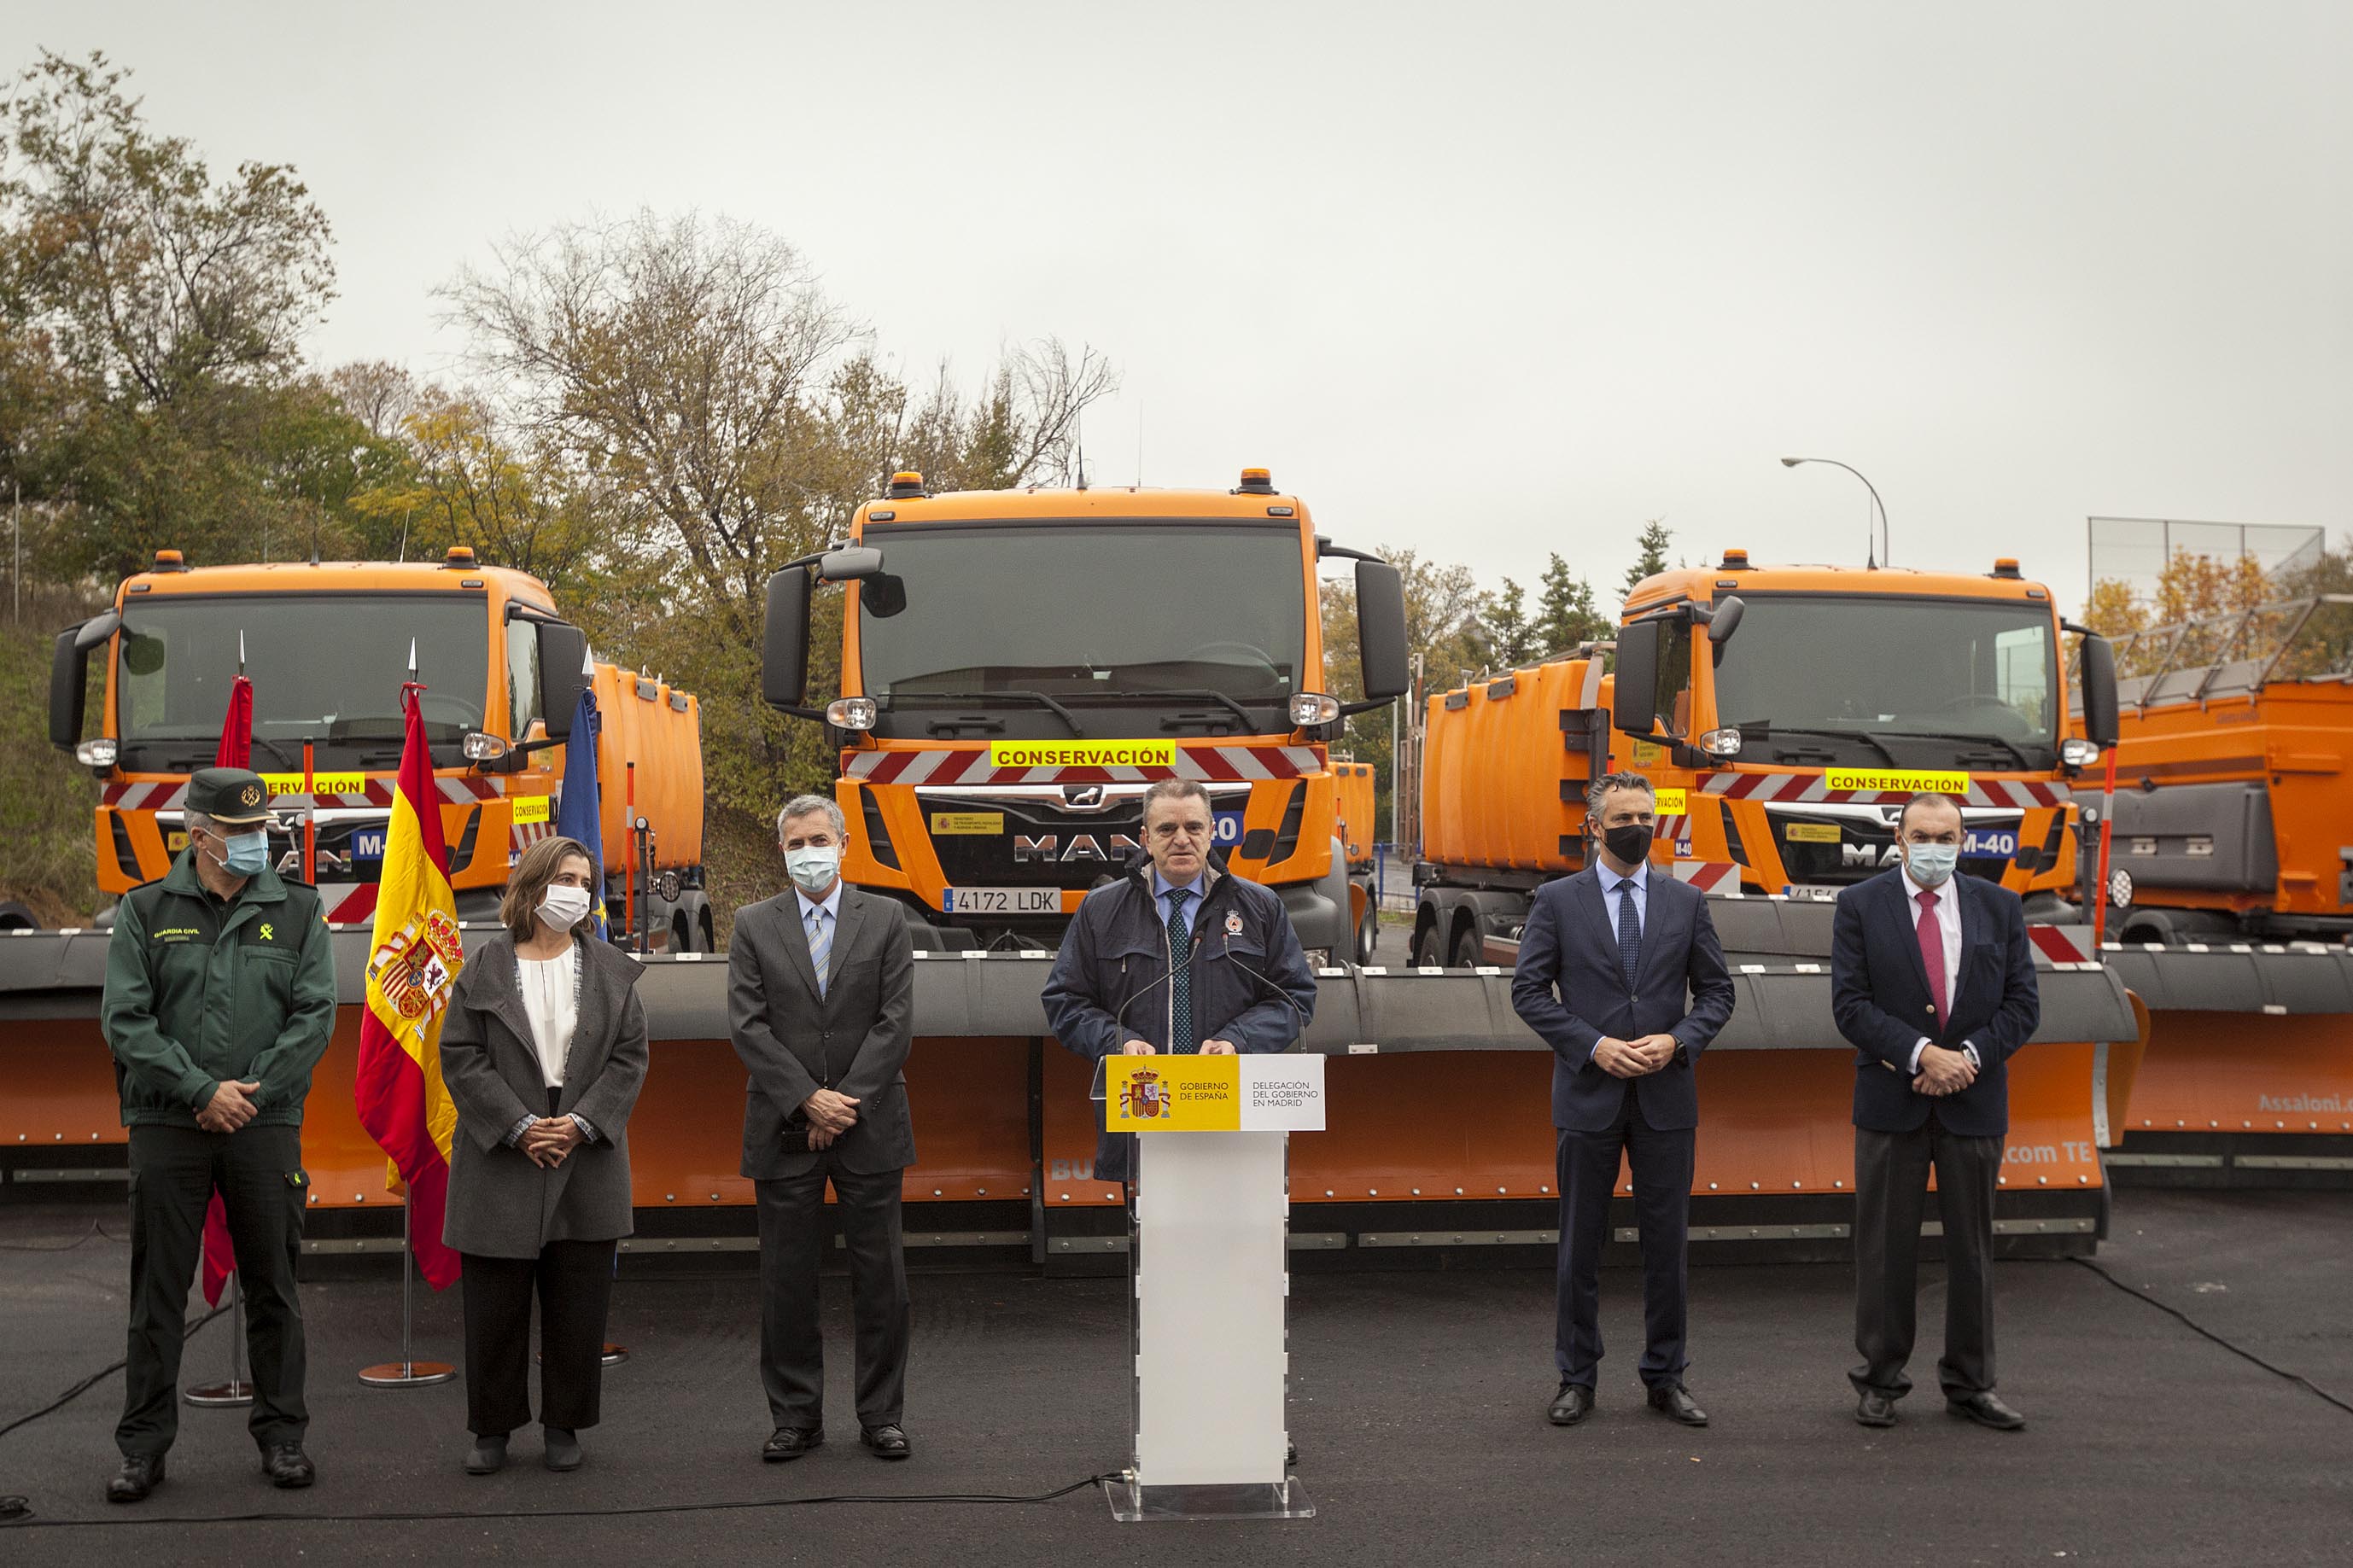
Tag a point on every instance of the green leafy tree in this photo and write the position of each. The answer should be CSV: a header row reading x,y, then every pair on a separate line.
x,y
1565,613
1511,630
1650,552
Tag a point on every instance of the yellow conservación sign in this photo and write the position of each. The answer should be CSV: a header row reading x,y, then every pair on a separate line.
x,y
1082,753
527,808
320,783
1671,803
1899,781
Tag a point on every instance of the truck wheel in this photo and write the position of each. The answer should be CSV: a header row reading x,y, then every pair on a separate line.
x,y
1369,934
1424,948
1468,953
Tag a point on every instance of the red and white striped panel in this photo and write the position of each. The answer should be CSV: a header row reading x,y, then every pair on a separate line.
x,y
1718,878
941,767
1785,789
1675,827
346,903
2063,945
166,796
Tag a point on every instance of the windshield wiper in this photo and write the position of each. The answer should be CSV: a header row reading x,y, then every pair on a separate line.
x,y
1236,709
1865,736
1039,698
2010,746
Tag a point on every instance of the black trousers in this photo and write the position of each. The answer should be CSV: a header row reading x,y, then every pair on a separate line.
x,y
173,1171
574,1281
1891,1197
792,1239
1660,1162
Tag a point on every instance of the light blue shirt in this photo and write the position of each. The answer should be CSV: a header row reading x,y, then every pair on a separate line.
x,y
1640,881
831,904
1160,888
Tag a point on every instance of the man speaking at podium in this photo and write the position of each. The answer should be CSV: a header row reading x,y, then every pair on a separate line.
x,y
1178,956
1607,961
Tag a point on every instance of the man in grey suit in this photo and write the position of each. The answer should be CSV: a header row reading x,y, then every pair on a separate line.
x,y
820,994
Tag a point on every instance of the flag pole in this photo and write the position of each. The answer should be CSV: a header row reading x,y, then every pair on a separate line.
x,y
237,1390
407,1371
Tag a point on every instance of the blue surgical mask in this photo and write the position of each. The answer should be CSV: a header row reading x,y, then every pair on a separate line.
x,y
813,867
246,854
1932,864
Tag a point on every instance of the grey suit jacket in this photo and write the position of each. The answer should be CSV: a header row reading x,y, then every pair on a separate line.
x,y
500,1204
853,1040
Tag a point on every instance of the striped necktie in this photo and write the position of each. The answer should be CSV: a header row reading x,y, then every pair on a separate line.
x,y
820,944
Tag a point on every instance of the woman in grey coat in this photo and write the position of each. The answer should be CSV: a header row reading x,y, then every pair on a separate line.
x,y
544,1051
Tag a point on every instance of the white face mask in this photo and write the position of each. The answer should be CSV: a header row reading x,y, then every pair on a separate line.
x,y
562,908
813,867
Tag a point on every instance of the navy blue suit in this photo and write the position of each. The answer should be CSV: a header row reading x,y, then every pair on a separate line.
x,y
1571,988
1879,996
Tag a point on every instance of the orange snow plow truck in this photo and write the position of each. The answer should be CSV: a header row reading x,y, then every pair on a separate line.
x,y
327,648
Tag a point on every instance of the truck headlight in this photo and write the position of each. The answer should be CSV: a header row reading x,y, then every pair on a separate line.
x,y
1720,743
850,713
2078,753
1311,707
478,747
99,752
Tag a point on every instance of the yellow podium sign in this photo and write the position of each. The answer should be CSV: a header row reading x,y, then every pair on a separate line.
x,y
1213,1094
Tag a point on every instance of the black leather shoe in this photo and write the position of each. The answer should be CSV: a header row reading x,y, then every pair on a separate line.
x,y
888,1442
563,1449
140,1473
791,1443
1986,1411
1572,1404
489,1455
1874,1409
288,1467
1670,1400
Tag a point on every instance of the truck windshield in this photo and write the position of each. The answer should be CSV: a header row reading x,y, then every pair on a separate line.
x,y
326,668
1882,680
1087,614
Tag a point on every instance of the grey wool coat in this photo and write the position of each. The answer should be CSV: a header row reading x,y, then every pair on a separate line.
x,y
500,1204
852,1041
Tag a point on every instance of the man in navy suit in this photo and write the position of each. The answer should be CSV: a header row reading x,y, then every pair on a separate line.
x,y
1932,979
1621,975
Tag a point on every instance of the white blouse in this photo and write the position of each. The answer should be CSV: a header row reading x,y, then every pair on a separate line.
x,y
550,996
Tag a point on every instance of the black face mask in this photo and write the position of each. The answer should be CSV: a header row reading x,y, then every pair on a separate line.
x,y
1630,843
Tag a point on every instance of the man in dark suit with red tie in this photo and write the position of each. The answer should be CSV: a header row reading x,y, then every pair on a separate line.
x,y
1620,974
1933,981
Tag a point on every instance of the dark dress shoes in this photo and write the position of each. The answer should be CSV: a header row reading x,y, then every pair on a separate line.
x,y
489,1455
1874,1409
288,1467
791,1443
888,1442
1572,1404
563,1449
140,1473
1986,1411
1670,1400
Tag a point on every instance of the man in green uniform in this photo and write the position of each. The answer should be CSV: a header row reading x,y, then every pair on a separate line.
x,y
220,998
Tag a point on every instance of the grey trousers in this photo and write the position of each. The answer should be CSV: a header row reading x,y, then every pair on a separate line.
x,y
1891,1196
792,1240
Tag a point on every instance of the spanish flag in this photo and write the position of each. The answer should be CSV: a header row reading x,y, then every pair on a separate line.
x,y
413,964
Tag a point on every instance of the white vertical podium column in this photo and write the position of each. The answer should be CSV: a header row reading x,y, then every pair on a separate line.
x,y
1208,1270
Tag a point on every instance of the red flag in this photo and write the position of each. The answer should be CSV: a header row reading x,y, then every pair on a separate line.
x,y
235,751
414,958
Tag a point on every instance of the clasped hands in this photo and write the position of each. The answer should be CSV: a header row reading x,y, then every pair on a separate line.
x,y
1633,1058
1943,1072
230,1108
546,1142
830,1114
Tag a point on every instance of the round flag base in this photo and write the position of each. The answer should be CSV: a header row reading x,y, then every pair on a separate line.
x,y
407,1374
214,1395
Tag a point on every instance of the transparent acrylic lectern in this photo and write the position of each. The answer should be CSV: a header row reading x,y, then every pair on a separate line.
x,y
1208,1276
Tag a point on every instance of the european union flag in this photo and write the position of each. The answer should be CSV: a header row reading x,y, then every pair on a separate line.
x,y
579,814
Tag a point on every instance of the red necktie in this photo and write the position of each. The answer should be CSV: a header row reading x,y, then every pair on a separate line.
x,y
1932,953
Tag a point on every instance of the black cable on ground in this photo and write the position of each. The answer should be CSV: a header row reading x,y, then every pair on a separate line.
x,y
2195,1327
97,1232
87,1383
461,1515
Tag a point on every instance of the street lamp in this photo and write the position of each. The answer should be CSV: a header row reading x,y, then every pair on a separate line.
x,y
1886,549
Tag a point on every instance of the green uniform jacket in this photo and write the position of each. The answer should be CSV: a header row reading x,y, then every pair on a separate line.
x,y
199,992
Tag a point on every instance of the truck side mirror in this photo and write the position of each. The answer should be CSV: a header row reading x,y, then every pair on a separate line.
x,y
1380,631
784,637
563,654
69,675
1635,707
1723,620
2099,665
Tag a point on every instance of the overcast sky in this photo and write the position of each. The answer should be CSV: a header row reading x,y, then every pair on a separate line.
x,y
1483,280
